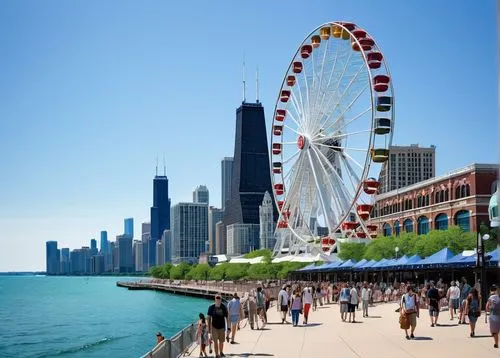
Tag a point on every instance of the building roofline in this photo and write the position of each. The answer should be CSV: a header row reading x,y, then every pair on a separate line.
x,y
424,183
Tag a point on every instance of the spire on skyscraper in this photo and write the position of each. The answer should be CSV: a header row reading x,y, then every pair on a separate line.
x,y
164,165
257,85
244,82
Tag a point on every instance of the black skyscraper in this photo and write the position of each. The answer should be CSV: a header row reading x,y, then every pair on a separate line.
x,y
251,172
160,214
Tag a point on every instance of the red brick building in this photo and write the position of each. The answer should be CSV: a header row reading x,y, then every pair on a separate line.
x,y
458,198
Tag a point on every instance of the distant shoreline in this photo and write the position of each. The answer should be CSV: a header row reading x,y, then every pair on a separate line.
x,y
34,273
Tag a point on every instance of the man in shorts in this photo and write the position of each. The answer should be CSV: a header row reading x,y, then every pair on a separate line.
x,y
217,317
453,296
345,297
433,303
283,303
464,292
353,303
234,308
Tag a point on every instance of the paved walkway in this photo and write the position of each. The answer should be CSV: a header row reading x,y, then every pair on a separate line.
x,y
377,336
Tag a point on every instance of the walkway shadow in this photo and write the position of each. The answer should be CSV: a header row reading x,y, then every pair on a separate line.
x,y
447,325
373,317
482,336
423,339
250,355
311,325
278,323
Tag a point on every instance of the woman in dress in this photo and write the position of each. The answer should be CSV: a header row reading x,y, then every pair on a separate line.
x,y
493,307
473,309
296,307
202,335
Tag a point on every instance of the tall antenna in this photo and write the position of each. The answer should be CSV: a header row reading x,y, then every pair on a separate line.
x,y
164,165
156,164
257,84
244,82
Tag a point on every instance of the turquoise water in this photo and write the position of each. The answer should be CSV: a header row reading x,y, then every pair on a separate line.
x,y
86,317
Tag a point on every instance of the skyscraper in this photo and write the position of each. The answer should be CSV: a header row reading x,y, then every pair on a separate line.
x,y
226,179
137,251
167,245
242,238
189,231
407,165
214,216
125,257
65,261
251,173
93,247
160,253
200,194
129,227
146,237
160,214
52,255
104,242
266,234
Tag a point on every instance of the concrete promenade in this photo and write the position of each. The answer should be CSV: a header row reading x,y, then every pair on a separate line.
x,y
376,336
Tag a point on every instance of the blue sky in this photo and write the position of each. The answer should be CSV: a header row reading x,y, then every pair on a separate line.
x,y
92,91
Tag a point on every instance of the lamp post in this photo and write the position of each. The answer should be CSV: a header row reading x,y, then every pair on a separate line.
x,y
480,263
396,250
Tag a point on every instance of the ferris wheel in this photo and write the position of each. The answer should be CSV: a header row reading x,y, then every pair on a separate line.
x,y
332,128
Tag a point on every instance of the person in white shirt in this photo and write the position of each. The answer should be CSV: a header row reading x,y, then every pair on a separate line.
x,y
307,299
365,297
351,308
283,303
453,296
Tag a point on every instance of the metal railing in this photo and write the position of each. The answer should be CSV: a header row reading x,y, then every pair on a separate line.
x,y
176,346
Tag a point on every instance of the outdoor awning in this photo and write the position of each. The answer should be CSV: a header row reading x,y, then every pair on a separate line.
x,y
436,260
347,265
360,263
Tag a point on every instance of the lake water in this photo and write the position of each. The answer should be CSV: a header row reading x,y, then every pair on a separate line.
x,y
86,317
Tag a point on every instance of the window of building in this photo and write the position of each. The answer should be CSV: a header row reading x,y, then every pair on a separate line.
x,y
387,229
457,192
441,222
462,219
446,195
397,228
408,225
422,225
467,190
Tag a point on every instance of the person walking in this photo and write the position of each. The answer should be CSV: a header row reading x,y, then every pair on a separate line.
x,y
493,307
453,296
464,293
234,309
261,306
296,307
365,297
253,319
202,335
473,309
315,299
410,310
433,303
345,297
307,299
217,317
283,303
353,303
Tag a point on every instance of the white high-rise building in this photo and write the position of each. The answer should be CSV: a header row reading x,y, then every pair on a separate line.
x,y
200,194
214,216
189,231
166,240
242,238
407,165
137,251
226,179
266,236
160,253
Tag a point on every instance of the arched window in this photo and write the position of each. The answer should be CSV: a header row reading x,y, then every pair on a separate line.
x,y
441,222
411,203
467,190
422,225
462,219
446,195
387,229
462,191
436,197
457,192
397,228
427,200
408,225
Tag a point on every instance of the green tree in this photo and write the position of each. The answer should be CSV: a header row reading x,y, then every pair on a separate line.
x,y
351,250
259,272
179,272
380,248
236,271
257,253
218,272
199,272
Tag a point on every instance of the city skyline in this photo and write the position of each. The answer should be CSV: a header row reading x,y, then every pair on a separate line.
x,y
68,93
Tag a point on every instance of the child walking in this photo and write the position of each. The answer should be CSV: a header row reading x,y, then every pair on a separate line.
x,y
202,335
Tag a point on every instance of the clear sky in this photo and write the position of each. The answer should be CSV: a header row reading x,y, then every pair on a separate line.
x,y
92,91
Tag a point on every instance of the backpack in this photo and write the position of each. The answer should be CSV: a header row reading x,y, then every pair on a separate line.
x,y
260,299
495,307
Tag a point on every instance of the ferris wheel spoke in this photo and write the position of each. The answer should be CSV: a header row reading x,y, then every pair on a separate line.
x,y
344,193
350,169
318,83
341,147
351,174
292,129
354,161
289,114
341,116
344,93
286,161
318,186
